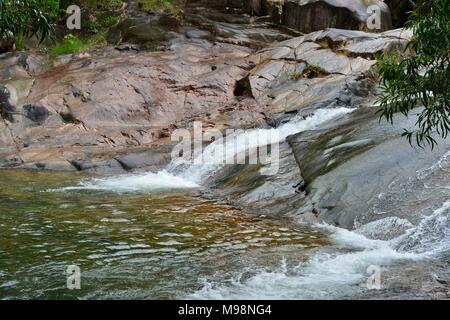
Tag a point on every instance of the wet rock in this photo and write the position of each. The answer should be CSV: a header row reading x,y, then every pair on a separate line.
x,y
356,167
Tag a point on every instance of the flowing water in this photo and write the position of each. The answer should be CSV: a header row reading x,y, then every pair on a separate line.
x,y
162,235
130,245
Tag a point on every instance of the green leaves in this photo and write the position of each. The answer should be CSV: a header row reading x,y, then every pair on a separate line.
x,y
422,77
24,18
70,44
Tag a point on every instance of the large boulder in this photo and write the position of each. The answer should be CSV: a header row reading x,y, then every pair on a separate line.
x,y
294,78
356,168
312,15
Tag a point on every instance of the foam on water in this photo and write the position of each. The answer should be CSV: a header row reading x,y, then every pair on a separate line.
x,y
213,156
432,235
342,273
146,182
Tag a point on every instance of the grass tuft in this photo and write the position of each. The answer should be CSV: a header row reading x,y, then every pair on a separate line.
x,y
70,44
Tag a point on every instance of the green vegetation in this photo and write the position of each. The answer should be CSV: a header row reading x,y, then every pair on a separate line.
x,y
107,21
93,5
20,19
70,44
422,77
170,6
97,20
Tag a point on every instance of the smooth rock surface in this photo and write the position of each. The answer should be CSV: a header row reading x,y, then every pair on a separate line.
x,y
312,15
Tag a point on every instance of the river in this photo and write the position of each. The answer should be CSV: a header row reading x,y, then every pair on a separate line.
x,y
163,236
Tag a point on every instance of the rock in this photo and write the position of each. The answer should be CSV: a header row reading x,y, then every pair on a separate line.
x,y
12,161
53,165
298,76
127,47
6,108
272,195
146,31
98,166
7,45
385,229
103,106
36,114
255,7
16,80
231,27
356,167
312,15
330,67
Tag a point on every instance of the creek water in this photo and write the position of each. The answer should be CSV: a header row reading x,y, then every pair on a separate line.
x,y
163,236
130,245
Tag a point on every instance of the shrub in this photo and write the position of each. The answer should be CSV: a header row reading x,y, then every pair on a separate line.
x,y
423,77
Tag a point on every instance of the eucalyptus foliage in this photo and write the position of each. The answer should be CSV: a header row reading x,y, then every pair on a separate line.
x,y
420,76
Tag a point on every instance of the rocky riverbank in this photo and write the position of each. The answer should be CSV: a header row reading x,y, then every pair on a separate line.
x,y
112,110
256,64
97,110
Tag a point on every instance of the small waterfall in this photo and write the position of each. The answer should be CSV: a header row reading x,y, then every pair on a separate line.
x,y
212,159
187,174
331,272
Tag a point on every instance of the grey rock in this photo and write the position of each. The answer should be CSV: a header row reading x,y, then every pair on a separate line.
x,y
313,15
150,159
